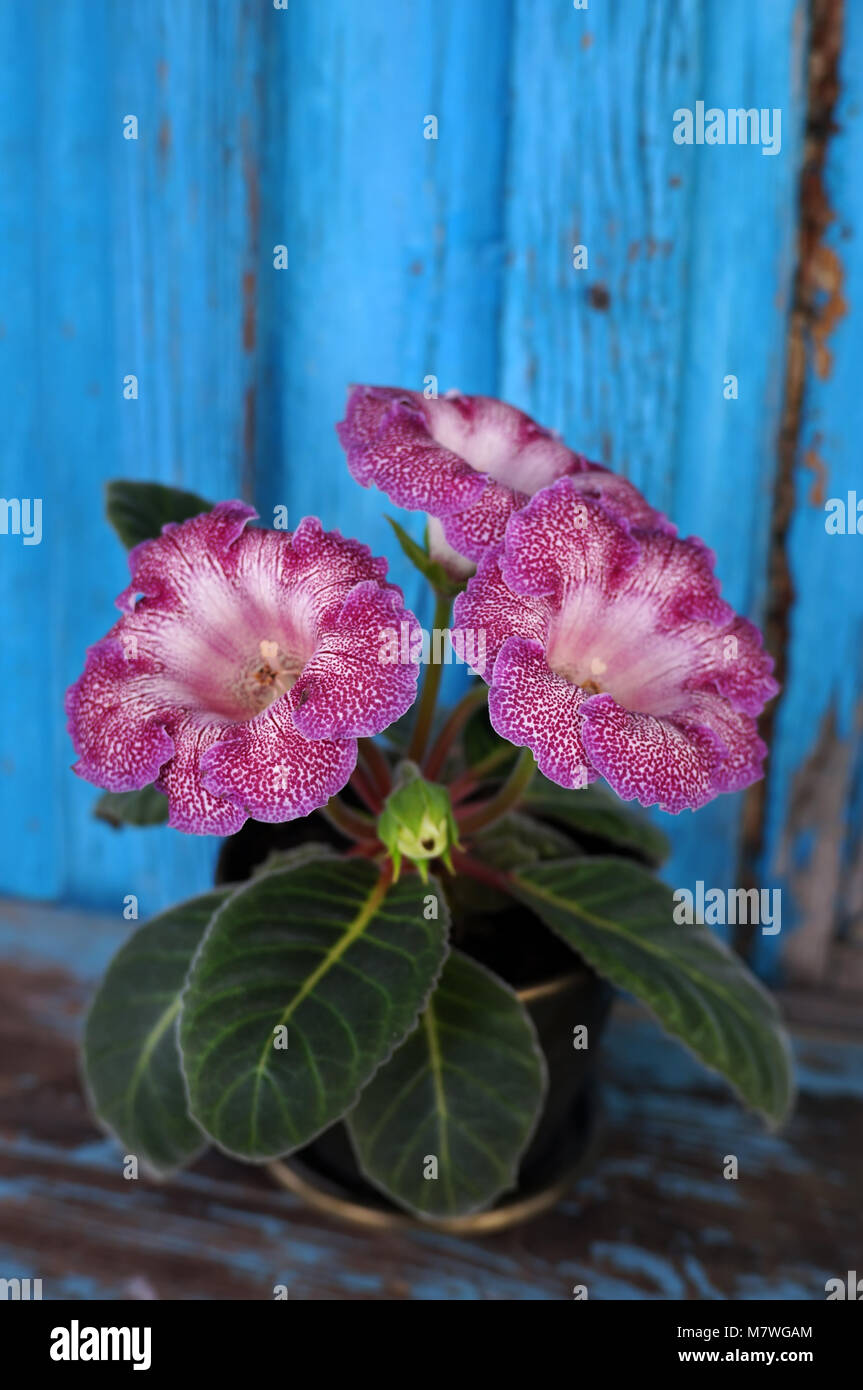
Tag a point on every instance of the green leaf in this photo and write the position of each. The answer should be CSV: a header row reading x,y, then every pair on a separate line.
x,y
131,1056
593,812
138,511
512,841
620,919
145,807
437,576
466,1088
517,839
306,981
278,859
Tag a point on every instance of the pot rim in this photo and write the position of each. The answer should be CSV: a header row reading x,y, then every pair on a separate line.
x,y
301,1183
545,989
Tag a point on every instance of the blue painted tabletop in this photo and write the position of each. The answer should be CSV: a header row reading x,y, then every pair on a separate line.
x,y
654,1218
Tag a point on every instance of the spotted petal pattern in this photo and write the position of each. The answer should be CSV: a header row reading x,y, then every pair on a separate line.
x,y
244,668
610,652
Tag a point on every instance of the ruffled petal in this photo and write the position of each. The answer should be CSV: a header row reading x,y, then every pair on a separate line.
x,y
169,567
500,440
482,526
116,725
488,605
271,771
561,541
621,499
324,566
657,762
387,441
356,684
530,706
743,752
733,662
191,807
468,461
676,579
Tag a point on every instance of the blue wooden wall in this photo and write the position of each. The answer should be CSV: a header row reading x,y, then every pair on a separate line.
x,y
303,127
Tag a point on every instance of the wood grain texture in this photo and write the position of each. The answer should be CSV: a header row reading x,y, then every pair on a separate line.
x,y
813,827
654,1220
409,258
138,252
257,128
690,269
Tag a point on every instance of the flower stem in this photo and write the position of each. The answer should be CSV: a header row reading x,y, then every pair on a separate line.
x,y
431,685
483,873
377,767
467,781
364,789
478,817
355,824
473,700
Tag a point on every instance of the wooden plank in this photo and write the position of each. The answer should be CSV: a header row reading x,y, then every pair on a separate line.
x,y
690,264
395,240
814,821
154,257
655,1219
143,247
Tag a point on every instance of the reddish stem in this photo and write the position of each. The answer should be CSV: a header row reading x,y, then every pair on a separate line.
x,y
354,824
477,817
377,766
365,790
457,719
468,781
483,873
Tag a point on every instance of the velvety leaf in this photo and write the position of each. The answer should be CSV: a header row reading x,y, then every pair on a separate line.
x,y
294,858
138,511
440,580
466,1089
518,839
306,981
145,807
593,812
131,1056
514,840
620,919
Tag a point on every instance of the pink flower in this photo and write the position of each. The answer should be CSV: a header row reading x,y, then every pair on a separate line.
x,y
241,678
612,654
469,462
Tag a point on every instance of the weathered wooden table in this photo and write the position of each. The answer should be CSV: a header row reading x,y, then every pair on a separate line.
x,y
655,1219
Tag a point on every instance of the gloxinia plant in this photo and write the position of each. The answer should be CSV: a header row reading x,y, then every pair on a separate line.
x,y
373,966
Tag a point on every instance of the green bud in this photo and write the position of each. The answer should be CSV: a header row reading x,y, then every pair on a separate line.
x,y
417,822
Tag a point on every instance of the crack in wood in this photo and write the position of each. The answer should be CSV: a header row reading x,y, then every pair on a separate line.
x,y
813,317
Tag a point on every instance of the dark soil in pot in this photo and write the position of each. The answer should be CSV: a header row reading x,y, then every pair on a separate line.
x,y
559,991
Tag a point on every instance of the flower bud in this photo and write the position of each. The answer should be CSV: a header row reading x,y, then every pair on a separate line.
x,y
417,822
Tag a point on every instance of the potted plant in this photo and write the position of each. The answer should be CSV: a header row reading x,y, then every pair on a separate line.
x,y
395,992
